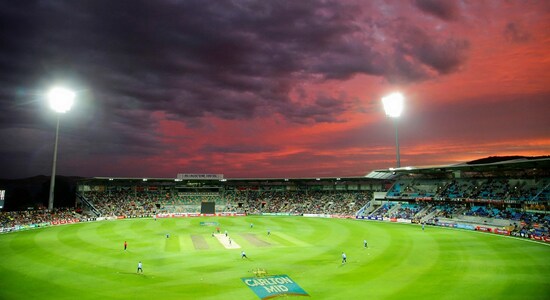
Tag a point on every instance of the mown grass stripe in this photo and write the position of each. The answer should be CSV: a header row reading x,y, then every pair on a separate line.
x,y
401,262
172,244
291,239
199,242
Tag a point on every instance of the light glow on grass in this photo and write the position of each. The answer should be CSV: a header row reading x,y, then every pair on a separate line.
x,y
88,261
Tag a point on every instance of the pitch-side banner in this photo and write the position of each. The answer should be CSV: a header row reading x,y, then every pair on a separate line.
x,y
273,286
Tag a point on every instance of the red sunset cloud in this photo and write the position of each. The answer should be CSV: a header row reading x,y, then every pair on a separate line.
x,y
271,89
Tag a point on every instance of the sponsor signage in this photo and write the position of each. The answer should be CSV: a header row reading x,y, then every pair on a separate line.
x,y
210,224
501,231
483,228
536,237
341,216
200,176
276,214
60,222
444,224
465,226
186,215
317,215
273,286
540,238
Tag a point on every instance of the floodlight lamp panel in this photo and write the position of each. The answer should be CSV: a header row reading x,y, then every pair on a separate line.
x,y
393,105
61,99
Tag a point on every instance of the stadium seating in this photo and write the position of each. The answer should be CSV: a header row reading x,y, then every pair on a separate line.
x,y
517,202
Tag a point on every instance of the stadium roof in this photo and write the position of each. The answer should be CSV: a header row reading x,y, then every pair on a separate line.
x,y
489,164
289,179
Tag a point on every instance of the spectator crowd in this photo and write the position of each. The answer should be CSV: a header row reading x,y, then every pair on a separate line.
x,y
344,203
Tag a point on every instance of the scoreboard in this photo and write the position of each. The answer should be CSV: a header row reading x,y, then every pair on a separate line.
x,y
2,198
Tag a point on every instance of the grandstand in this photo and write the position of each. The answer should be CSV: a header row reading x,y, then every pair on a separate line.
x,y
293,196
504,193
508,195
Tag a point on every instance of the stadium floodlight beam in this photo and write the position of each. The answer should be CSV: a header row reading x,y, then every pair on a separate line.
x,y
393,106
60,100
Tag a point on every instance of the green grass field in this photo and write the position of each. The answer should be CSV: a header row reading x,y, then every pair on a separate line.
x,y
87,260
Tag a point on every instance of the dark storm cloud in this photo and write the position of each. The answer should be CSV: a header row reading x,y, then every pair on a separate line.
x,y
230,149
228,59
443,56
349,58
514,33
323,109
443,9
190,60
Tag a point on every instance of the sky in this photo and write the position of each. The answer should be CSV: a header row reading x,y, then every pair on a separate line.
x,y
270,89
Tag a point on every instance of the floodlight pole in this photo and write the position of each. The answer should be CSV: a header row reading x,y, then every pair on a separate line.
x,y
52,181
60,101
396,124
393,106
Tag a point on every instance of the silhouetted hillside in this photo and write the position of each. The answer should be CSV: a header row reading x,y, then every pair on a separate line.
x,y
34,192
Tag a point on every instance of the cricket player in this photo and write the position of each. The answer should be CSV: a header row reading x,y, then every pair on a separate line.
x,y
243,255
140,267
365,244
343,257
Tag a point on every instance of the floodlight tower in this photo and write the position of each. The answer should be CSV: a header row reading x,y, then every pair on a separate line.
x,y
60,100
393,106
